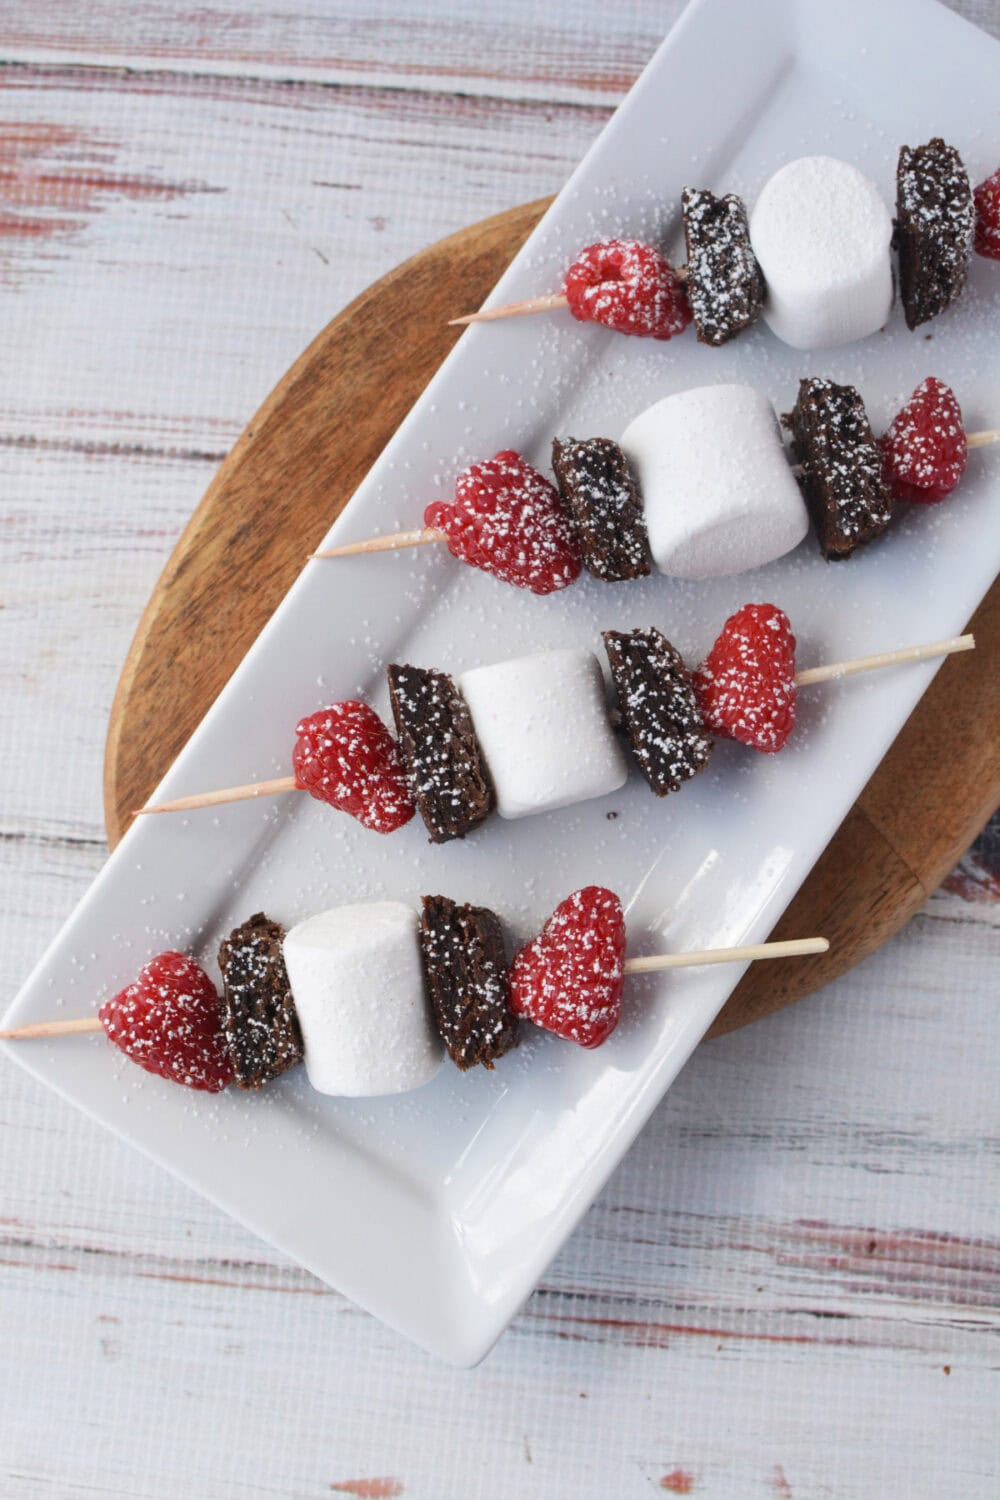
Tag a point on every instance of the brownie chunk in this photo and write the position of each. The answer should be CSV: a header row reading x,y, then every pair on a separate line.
x,y
658,708
259,1025
600,497
725,286
444,765
466,970
841,467
935,218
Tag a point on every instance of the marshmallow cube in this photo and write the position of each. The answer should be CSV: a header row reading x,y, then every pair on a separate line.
x,y
821,234
542,723
717,487
358,984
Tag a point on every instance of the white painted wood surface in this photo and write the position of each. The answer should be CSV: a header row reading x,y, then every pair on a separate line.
x,y
790,1288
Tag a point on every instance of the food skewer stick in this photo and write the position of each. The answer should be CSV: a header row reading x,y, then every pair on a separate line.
x,y
515,309
831,670
390,543
648,964
826,673
51,1028
550,302
426,534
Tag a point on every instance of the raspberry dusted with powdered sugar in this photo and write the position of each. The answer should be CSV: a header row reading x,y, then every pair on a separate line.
x,y
987,232
344,755
570,978
924,448
627,286
169,1021
507,519
746,689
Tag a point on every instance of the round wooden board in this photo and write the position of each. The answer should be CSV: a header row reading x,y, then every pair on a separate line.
x,y
296,466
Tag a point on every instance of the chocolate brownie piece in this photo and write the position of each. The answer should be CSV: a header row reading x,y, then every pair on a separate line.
x,y
259,1025
444,765
466,970
600,497
935,219
841,467
658,707
725,286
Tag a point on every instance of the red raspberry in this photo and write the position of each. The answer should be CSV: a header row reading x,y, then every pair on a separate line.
x,y
344,755
924,448
570,978
168,1021
507,519
627,286
987,198
746,689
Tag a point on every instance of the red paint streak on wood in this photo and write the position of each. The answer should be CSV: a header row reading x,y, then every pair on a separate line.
x,y
678,1482
649,1335
391,49
370,1489
243,1286
895,1253
974,881
53,178
33,1265
780,1485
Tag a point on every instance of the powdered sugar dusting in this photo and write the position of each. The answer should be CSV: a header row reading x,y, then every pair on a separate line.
x,y
935,220
924,449
627,286
570,978
345,756
724,283
506,519
746,689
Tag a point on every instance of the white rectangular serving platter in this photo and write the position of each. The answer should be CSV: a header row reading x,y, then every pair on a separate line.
x,y
439,1210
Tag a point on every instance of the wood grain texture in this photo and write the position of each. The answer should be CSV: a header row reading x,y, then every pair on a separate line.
x,y
279,491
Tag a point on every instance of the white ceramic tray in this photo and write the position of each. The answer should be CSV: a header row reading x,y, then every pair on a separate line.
x,y
439,1210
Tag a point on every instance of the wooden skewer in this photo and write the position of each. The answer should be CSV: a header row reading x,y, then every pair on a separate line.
x,y
229,794
425,534
948,647
835,669
530,305
513,309
788,949
51,1028
791,948
418,538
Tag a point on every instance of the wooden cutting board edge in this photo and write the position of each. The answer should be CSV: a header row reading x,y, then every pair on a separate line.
x,y
289,475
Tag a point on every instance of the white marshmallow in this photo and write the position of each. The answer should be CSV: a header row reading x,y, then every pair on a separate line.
x,y
718,492
542,722
358,985
821,234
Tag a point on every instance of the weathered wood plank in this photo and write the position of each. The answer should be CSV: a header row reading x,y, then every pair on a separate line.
x,y
220,195
525,50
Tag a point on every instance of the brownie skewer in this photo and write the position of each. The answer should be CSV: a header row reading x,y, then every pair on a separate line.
x,y
599,494
447,772
840,467
935,220
463,953
260,1028
454,774
658,708
698,485
724,285
362,976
